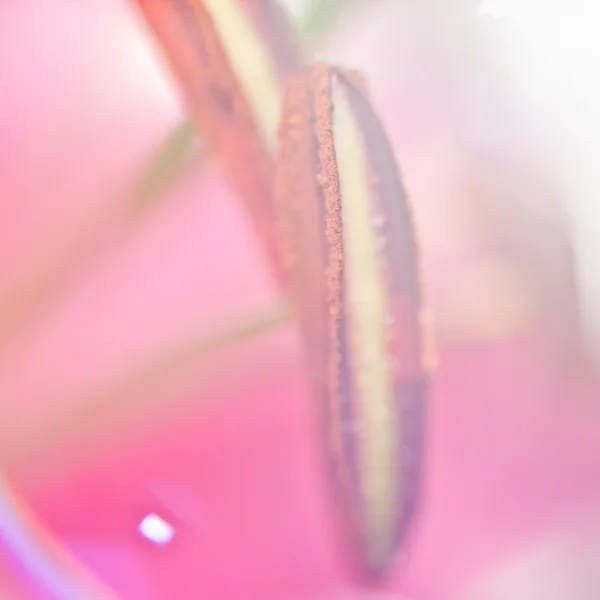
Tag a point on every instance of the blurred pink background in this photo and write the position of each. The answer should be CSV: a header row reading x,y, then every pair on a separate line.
x,y
513,456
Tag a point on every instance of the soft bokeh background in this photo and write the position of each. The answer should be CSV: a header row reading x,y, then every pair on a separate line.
x,y
492,108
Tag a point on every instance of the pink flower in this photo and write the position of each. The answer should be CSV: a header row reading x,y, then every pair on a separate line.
x,y
232,464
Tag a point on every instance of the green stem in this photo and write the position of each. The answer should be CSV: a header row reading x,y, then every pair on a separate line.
x,y
177,146
165,163
122,398
322,17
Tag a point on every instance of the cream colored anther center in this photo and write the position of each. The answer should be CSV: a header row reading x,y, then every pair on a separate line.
x,y
251,63
366,309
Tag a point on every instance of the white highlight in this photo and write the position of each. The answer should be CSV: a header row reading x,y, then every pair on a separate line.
x,y
560,34
156,529
559,58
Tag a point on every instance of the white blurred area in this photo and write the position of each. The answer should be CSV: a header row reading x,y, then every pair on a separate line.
x,y
300,9
562,565
563,65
